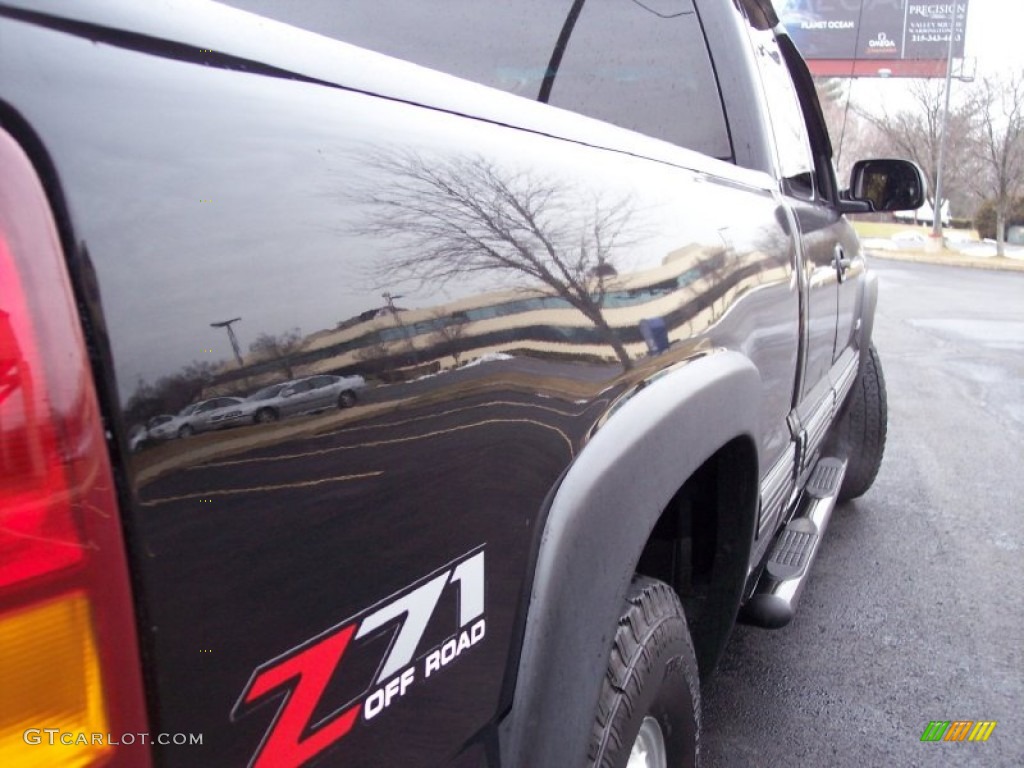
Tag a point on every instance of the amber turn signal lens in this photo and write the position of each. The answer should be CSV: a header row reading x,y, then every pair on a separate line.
x,y
51,680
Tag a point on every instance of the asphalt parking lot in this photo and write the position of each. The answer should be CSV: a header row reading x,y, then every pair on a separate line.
x,y
914,612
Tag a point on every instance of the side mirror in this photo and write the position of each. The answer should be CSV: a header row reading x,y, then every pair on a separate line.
x,y
887,185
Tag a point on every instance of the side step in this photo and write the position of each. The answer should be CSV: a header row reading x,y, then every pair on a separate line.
x,y
773,603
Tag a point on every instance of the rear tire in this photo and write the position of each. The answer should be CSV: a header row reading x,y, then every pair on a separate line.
x,y
650,697
347,399
265,416
860,433
186,431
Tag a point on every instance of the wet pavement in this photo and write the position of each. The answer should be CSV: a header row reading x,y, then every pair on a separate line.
x,y
914,611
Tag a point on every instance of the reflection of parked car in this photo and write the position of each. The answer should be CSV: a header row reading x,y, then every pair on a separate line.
x,y
318,393
137,438
261,406
162,427
157,428
289,398
176,425
203,416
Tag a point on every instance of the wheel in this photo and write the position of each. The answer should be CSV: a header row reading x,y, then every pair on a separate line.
x,y
347,399
860,433
186,431
265,415
648,715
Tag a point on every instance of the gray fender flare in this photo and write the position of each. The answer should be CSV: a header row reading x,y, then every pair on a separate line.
x,y
599,521
868,303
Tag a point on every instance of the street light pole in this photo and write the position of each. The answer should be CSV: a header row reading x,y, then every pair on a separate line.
x,y
390,299
937,208
231,337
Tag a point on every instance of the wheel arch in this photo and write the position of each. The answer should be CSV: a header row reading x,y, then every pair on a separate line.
x,y
868,305
600,521
701,545
274,412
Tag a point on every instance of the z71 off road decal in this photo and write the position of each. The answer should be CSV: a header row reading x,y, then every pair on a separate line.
x,y
300,675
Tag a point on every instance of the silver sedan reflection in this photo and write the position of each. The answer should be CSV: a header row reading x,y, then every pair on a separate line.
x,y
216,413
305,395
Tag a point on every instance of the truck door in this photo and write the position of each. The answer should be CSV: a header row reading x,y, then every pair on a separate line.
x,y
815,220
829,262
844,258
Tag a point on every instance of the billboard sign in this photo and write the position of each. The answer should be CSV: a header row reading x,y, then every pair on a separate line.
x,y
866,31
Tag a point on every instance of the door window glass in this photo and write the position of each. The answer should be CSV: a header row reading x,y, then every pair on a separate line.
x,y
640,64
793,145
644,65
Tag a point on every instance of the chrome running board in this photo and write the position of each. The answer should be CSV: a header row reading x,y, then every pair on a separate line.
x,y
773,602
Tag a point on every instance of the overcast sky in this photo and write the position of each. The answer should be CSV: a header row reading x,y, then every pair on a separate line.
x,y
995,34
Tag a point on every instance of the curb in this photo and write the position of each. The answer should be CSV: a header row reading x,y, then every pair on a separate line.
x,y
942,259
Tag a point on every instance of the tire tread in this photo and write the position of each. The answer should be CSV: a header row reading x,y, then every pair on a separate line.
x,y
864,427
652,619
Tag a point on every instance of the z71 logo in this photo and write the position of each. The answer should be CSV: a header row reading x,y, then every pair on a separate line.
x,y
300,675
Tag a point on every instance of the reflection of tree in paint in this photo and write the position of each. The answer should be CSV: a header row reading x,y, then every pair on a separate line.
x,y
280,349
169,394
463,217
449,333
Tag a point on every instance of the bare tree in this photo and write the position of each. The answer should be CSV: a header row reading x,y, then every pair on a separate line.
x,y
853,137
830,91
833,108
202,370
461,217
374,355
171,393
915,132
281,348
450,330
1001,146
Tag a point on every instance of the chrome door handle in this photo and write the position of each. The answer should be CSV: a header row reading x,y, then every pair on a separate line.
x,y
842,263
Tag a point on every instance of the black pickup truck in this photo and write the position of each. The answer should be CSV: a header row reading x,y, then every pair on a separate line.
x,y
589,265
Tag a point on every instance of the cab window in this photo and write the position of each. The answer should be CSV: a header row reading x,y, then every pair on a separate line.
x,y
644,66
639,64
796,164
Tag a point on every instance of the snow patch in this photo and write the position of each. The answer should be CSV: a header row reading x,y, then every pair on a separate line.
x,y
490,357
878,244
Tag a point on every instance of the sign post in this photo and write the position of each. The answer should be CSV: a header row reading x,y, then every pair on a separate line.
x,y
937,207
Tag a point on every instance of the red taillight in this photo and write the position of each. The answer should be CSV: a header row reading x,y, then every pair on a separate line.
x,y
37,529
68,651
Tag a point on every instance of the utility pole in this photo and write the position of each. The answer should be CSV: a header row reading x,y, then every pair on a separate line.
x,y
390,299
231,337
937,208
